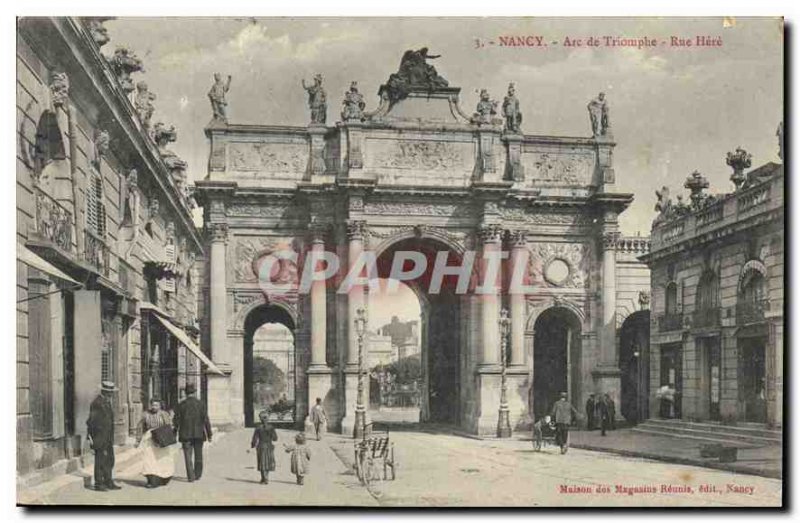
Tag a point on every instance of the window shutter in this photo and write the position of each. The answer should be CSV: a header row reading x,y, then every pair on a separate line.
x,y
91,206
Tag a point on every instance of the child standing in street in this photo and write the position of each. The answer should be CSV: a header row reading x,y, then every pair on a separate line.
x,y
263,440
300,457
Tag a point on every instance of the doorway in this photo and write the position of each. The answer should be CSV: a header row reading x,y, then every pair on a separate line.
x,y
753,376
556,359
269,365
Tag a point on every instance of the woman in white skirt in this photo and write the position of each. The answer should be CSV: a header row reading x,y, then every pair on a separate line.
x,y
158,463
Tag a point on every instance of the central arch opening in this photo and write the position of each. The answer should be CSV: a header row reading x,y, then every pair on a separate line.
x,y
440,328
556,358
269,364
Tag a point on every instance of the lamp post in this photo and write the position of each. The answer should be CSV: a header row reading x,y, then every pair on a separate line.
x,y
503,422
359,430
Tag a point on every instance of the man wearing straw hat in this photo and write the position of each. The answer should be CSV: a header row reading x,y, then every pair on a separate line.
x,y
100,430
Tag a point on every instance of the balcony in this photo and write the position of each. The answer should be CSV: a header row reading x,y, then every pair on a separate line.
x,y
96,252
53,221
751,311
670,322
706,318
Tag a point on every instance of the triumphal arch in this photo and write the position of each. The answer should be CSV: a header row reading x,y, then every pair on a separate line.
x,y
416,174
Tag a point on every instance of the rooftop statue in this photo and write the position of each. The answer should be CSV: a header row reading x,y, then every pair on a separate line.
x,y
599,117
353,110
511,110
485,109
414,73
124,62
216,96
143,101
317,100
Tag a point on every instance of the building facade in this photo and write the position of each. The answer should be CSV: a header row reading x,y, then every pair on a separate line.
x,y
108,255
717,268
419,174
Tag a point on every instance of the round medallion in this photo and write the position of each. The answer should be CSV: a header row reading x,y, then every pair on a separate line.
x,y
557,271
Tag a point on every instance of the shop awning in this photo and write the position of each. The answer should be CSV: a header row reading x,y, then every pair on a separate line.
x,y
28,257
182,337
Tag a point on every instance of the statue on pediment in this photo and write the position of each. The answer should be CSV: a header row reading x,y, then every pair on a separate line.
x,y
354,105
599,116
511,110
216,96
414,73
485,110
317,100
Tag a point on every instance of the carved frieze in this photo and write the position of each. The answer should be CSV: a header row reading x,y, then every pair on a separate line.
x,y
424,155
559,264
417,209
241,300
520,214
559,168
268,157
256,210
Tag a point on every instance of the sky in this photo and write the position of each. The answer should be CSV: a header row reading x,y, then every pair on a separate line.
x,y
673,109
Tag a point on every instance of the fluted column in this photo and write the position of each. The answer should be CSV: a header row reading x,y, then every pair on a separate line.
x,y
355,295
319,313
217,291
516,300
490,236
221,399
609,300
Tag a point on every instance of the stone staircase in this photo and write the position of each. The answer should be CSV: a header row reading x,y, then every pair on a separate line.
x,y
740,435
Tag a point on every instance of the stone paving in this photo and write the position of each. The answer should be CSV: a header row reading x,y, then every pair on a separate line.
x,y
434,470
229,478
763,460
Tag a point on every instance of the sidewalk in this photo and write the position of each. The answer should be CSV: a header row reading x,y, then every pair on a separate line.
x,y
760,461
230,478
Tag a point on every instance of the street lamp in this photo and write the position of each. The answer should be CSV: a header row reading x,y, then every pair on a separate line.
x,y
503,422
359,430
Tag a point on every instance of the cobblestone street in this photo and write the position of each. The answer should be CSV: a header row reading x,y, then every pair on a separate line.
x,y
437,470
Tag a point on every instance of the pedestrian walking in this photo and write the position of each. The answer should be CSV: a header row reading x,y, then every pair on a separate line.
x,y
263,440
100,431
319,418
612,411
158,457
562,413
605,424
191,422
300,456
591,407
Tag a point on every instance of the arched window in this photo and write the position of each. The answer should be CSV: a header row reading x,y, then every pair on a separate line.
x,y
708,291
671,298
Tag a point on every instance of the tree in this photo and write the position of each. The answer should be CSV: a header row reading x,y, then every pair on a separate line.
x,y
269,382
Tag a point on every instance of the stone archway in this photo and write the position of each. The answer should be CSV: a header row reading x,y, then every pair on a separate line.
x,y
441,348
257,317
634,365
556,358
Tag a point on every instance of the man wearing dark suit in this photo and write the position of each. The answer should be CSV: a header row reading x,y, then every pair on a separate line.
x,y
193,428
100,430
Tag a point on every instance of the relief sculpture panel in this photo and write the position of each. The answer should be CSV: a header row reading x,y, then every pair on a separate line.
x,y
558,168
250,253
559,264
268,157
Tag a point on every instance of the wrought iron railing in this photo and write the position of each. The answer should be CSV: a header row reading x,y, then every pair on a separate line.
x,y
96,252
53,221
670,322
706,317
751,311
